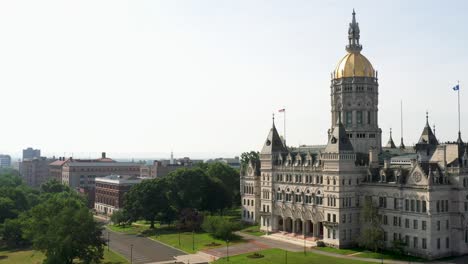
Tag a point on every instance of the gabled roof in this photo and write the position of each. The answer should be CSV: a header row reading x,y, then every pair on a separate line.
x,y
338,140
273,143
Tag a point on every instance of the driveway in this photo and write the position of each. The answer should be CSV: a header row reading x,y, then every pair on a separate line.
x,y
144,250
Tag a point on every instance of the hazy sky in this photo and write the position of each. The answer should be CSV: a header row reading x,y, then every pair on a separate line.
x,y
203,77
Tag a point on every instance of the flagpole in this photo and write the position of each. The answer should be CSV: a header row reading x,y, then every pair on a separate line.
x,y
284,125
458,92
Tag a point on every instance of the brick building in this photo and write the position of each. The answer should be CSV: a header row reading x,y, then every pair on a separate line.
x,y
110,192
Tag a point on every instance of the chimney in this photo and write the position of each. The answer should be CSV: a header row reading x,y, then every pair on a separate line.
x,y
103,155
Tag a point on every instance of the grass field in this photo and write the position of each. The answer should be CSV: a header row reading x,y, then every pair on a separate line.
x,y
190,242
28,256
362,253
272,256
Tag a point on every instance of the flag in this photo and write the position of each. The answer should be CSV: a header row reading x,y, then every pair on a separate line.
x,y
282,110
456,87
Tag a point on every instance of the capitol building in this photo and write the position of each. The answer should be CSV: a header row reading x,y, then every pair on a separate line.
x,y
313,194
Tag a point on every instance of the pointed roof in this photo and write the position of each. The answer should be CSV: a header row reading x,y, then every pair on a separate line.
x,y
273,142
338,140
427,136
402,145
390,143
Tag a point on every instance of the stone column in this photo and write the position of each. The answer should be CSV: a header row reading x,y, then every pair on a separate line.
x,y
284,224
293,225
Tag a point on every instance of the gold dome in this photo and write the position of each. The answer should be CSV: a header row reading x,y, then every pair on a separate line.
x,y
354,64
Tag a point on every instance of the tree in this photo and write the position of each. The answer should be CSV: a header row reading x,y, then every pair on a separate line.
x,y
228,177
12,233
220,227
372,233
120,217
64,229
193,188
9,180
249,156
54,186
148,200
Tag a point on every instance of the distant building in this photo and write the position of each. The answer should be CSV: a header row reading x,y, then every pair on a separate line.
x,y
110,192
5,161
79,174
161,168
31,153
35,171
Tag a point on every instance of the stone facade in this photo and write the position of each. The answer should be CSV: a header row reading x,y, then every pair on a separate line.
x,y
421,192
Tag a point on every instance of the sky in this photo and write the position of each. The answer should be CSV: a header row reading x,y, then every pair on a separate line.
x,y
202,78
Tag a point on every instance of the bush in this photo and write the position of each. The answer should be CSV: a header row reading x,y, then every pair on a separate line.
x,y
220,227
320,243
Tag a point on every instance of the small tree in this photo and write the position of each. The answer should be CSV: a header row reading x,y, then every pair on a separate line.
x,y
120,218
220,227
372,234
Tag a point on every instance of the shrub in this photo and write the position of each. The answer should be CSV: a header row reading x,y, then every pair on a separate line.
x,y
220,227
320,243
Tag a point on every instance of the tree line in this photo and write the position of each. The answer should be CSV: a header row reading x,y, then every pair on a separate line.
x,y
182,196
53,219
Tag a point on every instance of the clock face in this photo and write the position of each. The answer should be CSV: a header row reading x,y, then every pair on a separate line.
x,y
417,176
268,142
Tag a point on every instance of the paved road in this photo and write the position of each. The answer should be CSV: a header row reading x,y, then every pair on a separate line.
x,y
144,249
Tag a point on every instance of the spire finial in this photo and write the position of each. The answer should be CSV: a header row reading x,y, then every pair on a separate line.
x,y
353,35
427,118
273,118
433,128
390,132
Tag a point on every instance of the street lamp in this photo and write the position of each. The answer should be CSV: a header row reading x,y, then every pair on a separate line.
x,y
193,240
131,253
227,249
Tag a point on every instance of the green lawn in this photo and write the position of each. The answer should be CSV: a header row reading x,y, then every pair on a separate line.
x,y
200,240
362,253
272,256
338,251
253,230
20,256
130,229
28,256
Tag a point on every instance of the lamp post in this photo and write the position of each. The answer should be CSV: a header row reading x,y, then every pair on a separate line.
x,y
193,240
131,253
286,256
227,249
179,236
